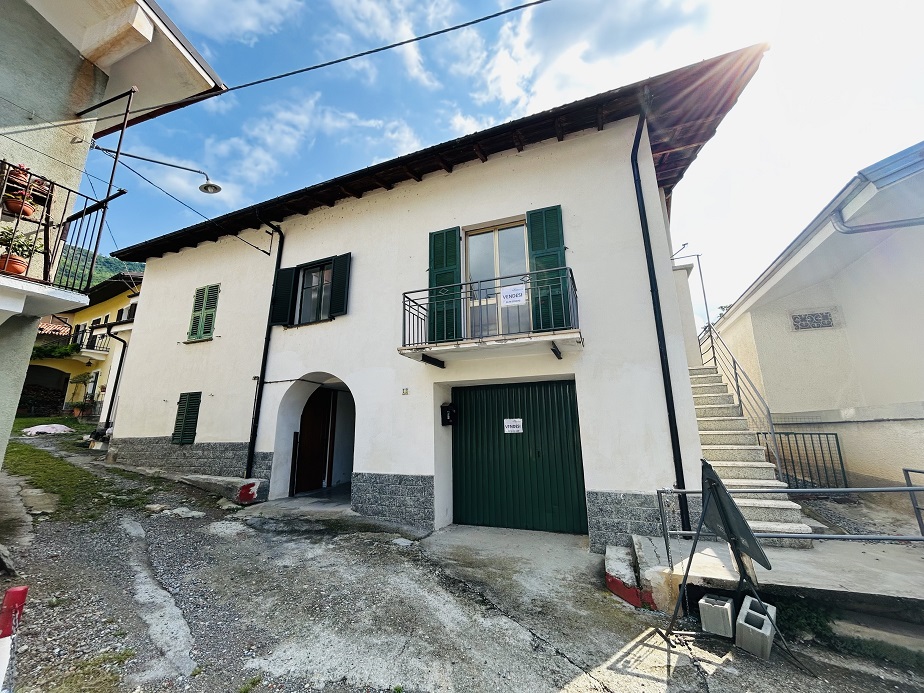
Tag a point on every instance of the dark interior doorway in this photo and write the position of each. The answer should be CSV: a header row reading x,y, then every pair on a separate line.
x,y
324,451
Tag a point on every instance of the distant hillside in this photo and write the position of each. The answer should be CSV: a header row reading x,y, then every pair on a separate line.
x,y
76,260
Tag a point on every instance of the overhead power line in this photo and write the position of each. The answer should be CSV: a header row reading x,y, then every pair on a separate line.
x,y
211,95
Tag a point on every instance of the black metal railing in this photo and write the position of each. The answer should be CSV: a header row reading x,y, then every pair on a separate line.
x,y
49,233
86,339
540,301
746,394
809,459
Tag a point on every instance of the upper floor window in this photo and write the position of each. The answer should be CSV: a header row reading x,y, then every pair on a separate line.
x,y
205,305
313,292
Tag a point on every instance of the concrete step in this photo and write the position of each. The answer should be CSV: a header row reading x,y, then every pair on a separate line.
x,y
700,400
708,411
704,370
722,423
733,484
710,389
767,510
783,528
736,453
890,636
756,471
706,379
728,438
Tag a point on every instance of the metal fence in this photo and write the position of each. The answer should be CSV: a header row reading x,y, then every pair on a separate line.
x,y
49,233
540,301
808,460
914,498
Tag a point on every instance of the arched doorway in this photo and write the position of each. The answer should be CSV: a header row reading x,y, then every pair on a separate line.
x,y
322,445
43,391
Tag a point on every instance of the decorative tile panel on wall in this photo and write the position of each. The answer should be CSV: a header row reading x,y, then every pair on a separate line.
x,y
813,321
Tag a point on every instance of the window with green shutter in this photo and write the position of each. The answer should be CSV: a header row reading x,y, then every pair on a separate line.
x,y
314,292
205,304
187,416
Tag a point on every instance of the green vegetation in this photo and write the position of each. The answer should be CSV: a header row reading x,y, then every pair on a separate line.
x,y
250,685
54,351
95,674
81,494
76,261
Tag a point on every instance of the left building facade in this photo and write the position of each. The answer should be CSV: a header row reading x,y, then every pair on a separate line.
x,y
60,59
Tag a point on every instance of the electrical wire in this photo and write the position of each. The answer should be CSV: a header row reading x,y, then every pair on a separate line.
x,y
63,163
203,97
189,207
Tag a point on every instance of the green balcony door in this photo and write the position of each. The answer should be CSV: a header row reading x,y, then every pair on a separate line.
x,y
527,474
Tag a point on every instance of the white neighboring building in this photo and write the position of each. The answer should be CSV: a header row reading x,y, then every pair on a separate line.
x,y
502,274
832,331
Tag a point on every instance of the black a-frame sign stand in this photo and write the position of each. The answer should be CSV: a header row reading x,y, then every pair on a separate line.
x,y
730,525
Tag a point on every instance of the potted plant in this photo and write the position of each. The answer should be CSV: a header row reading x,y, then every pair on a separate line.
x,y
19,202
79,408
15,250
19,174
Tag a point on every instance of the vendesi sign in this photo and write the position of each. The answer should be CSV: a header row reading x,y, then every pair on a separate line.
x,y
513,425
513,295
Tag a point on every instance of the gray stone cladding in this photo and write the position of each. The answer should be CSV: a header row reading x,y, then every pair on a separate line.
x,y
217,459
403,498
613,516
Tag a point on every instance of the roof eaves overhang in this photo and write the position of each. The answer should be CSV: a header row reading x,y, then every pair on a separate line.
x,y
686,106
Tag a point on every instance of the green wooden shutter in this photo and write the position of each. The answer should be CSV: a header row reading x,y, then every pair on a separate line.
x,y
209,308
195,322
187,416
282,308
340,285
550,292
445,307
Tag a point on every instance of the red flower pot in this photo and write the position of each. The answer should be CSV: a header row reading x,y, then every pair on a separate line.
x,y
19,206
13,264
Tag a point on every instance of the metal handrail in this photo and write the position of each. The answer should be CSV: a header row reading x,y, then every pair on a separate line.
x,y
462,308
911,491
753,406
668,533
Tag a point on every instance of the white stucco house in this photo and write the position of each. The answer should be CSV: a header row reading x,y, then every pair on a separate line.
x,y
485,332
60,59
831,330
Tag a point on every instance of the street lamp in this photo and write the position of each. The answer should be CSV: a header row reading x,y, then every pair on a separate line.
x,y
208,187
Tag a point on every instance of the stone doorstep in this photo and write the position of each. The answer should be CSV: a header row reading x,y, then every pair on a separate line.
x,y
621,579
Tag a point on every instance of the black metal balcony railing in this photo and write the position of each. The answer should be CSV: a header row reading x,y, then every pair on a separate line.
x,y
52,230
90,342
518,304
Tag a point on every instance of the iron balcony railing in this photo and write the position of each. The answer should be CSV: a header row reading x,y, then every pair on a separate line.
x,y
49,233
754,408
518,304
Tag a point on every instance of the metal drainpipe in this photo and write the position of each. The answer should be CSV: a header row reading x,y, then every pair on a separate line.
x,y
258,398
659,328
115,384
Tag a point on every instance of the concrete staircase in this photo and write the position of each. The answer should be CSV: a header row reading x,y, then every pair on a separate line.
x,y
733,451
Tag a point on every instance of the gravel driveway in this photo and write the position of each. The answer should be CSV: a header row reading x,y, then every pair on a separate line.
x,y
279,597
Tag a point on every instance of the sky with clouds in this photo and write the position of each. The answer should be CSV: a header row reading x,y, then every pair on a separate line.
x,y
840,88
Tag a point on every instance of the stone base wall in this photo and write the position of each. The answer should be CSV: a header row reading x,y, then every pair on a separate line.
x,y
613,517
217,459
403,498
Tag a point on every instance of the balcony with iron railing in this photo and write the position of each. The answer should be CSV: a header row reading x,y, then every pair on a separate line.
x,y
535,312
49,233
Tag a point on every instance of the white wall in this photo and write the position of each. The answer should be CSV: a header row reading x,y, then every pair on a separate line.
x,y
160,366
687,318
625,438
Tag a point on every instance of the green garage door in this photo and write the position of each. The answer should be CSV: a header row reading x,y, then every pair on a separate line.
x,y
516,457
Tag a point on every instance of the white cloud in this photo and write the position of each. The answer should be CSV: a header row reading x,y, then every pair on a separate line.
x,y
234,20
219,105
390,21
463,124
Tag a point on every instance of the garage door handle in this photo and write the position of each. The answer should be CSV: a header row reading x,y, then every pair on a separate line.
x,y
538,453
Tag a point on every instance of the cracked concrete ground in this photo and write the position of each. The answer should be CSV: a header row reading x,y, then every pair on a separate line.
x,y
322,601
